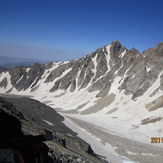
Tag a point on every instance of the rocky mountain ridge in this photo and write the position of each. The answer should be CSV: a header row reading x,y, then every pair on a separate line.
x,y
117,89
111,61
95,72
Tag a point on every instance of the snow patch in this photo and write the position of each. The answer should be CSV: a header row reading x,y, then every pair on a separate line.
x,y
108,49
49,123
122,54
94,60
148,69
124,159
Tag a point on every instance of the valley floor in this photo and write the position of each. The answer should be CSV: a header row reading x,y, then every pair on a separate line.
x,y
116,148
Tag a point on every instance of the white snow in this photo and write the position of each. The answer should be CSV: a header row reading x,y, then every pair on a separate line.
x,y
94,60
115,73
108,56
124,120
33,82
108,48
148,154
148,68
103,149
97,146
128,115
132,153
121,55
49,123
27,69
20,79
124,159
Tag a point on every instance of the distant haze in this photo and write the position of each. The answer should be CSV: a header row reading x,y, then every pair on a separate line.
x,y
5,60
9,62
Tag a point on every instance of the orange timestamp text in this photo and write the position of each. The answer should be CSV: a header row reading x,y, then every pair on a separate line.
x,y
156,140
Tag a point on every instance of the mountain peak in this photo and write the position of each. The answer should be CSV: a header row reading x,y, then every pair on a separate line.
x,y
160,47
117,48
134,51
115,42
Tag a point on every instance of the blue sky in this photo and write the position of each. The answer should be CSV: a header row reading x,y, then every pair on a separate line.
x,y
69,29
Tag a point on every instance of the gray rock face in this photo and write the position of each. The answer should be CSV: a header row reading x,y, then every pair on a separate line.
x,y
3,83
22,80
96,72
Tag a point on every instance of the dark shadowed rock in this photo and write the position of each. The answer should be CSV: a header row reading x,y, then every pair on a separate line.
x,y
37,118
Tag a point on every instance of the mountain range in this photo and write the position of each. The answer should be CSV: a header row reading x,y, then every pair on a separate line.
x,y
119,91
10,62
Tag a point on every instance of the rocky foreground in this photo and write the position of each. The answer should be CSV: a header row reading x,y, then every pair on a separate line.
x,y
37,118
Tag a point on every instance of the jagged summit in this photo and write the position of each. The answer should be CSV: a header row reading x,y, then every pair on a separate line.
x,y
133,51
159,48
116,42
104,64
117,48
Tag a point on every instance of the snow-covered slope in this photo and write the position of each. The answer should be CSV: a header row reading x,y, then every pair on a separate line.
x,y
118,89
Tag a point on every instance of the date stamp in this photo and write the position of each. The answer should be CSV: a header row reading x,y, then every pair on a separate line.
x,y
156,140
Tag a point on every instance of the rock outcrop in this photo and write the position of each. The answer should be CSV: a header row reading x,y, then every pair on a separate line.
x,y
65,146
